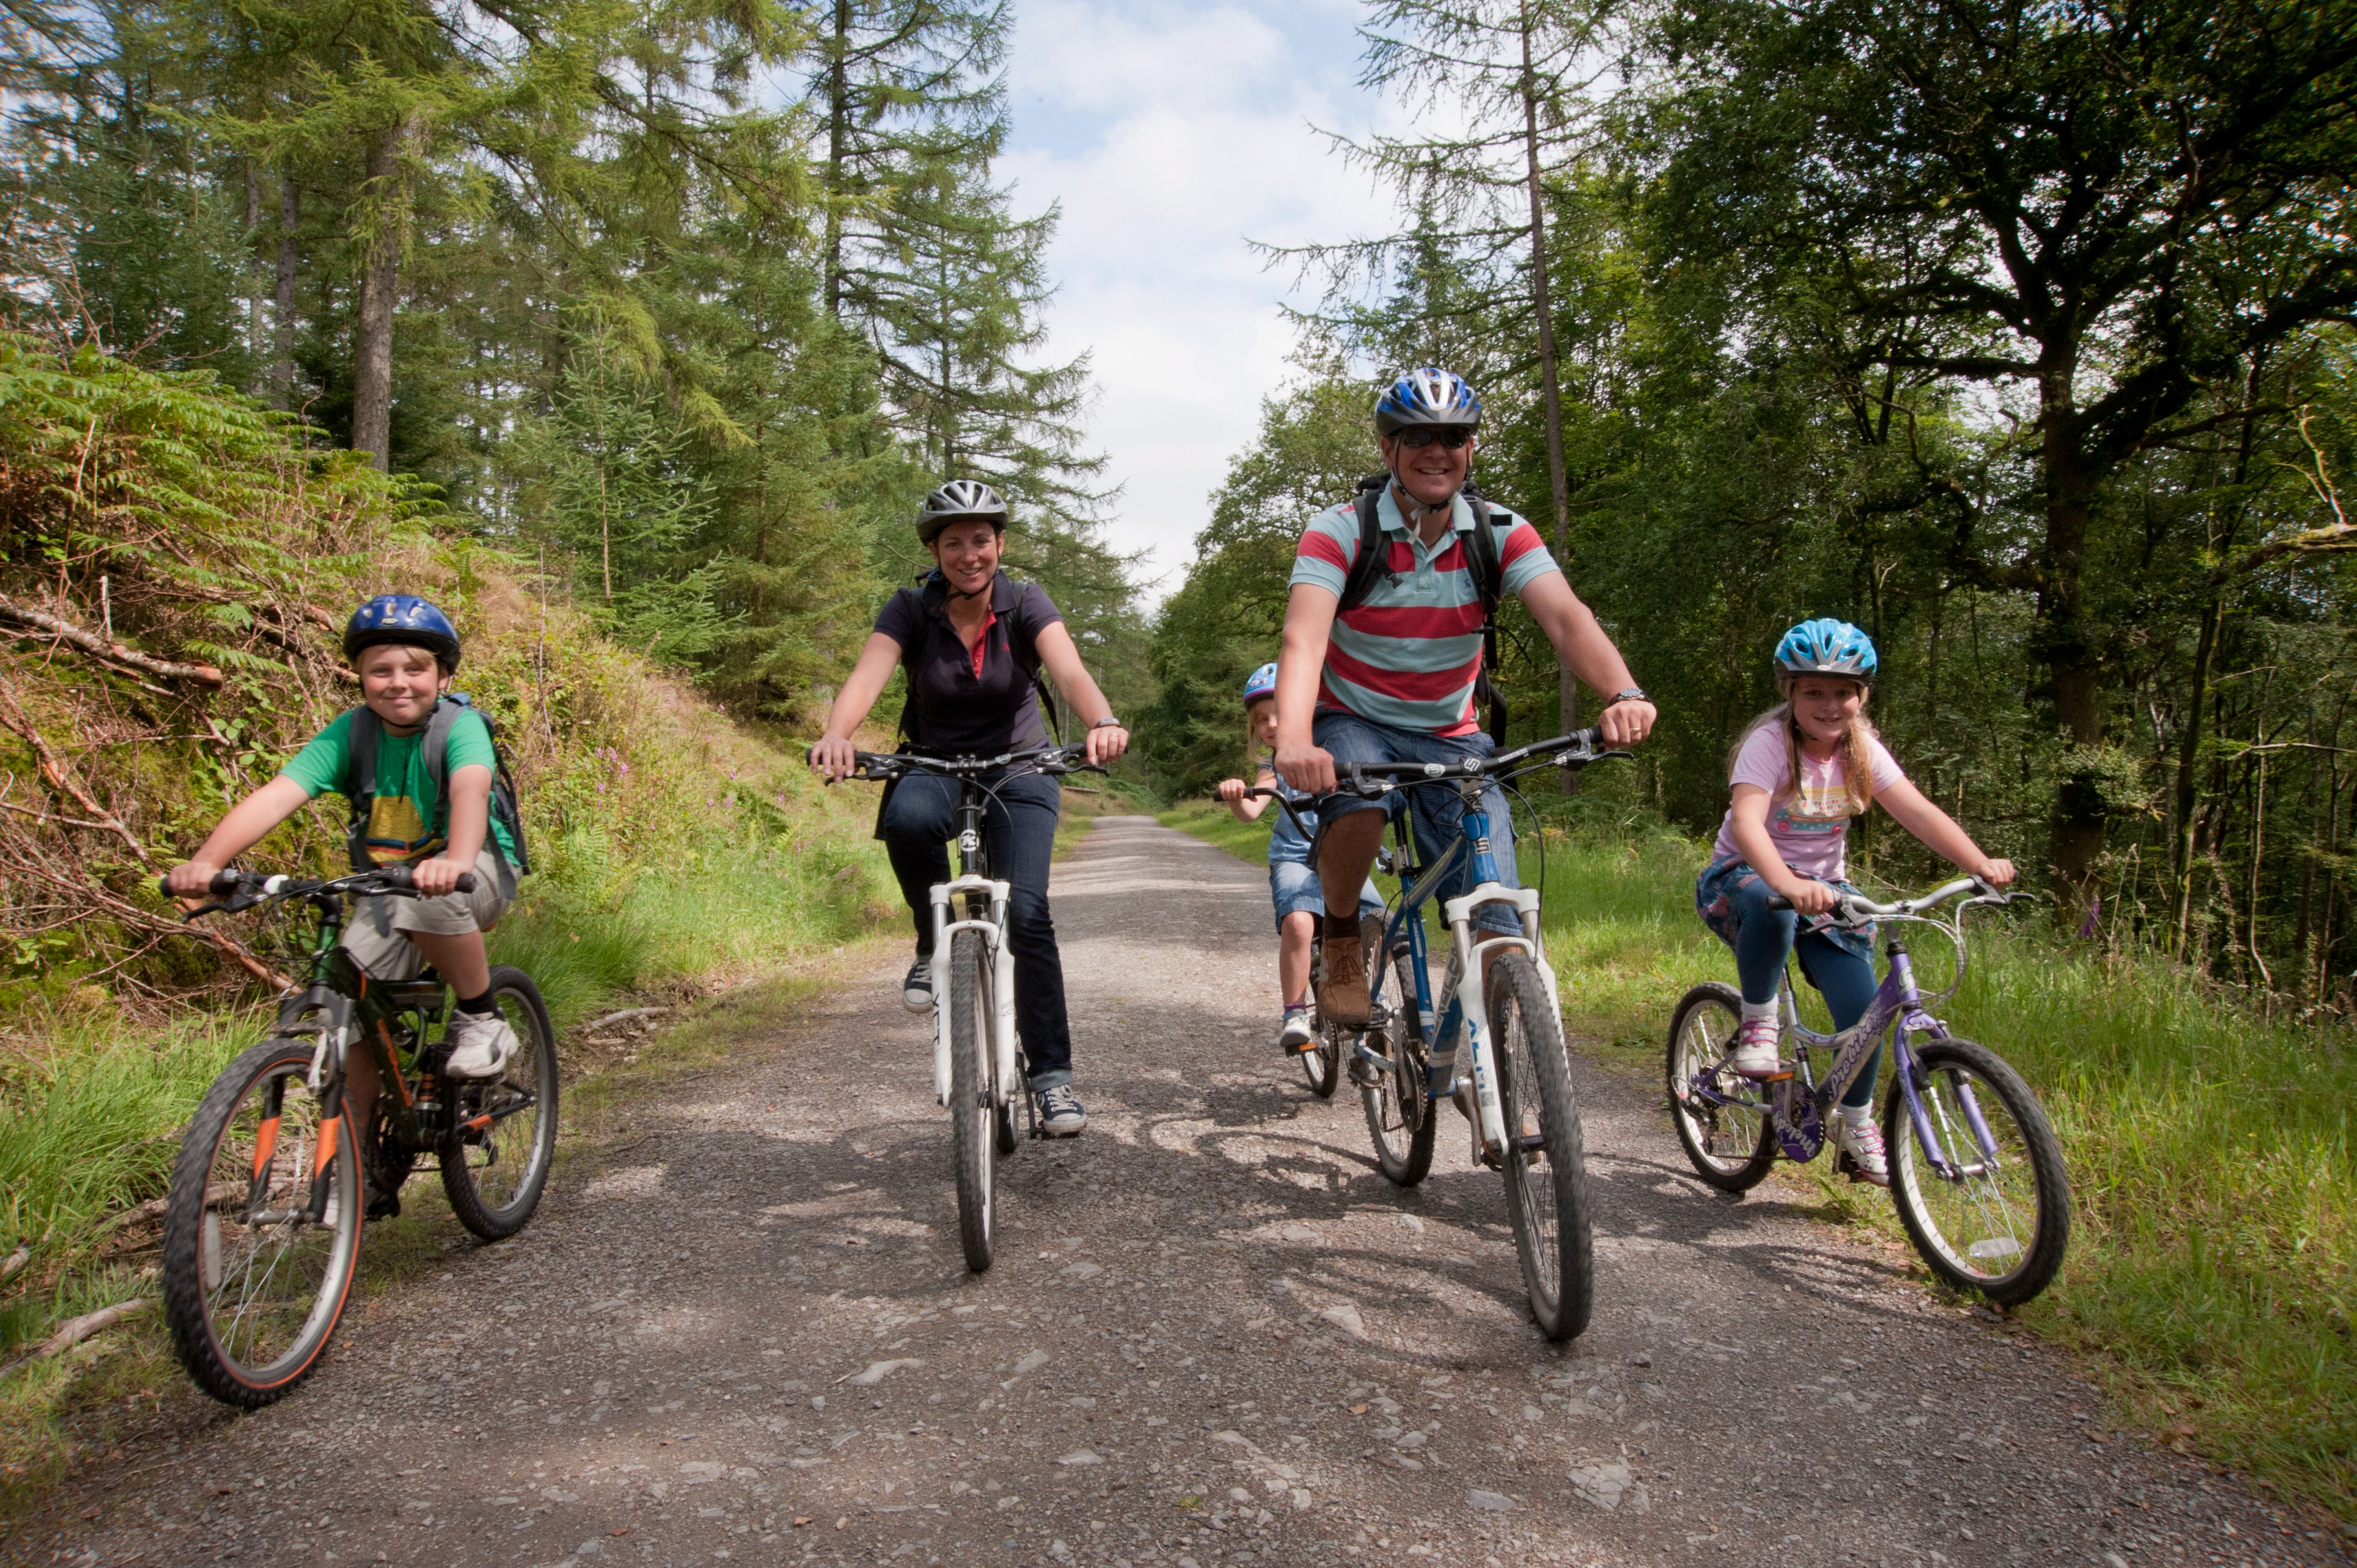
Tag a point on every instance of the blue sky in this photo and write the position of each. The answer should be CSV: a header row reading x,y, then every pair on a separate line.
x,y
1169,134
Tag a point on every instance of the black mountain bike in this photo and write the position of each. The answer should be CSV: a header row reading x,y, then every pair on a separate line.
x,y
262,1228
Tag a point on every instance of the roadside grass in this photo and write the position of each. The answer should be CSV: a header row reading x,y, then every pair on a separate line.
x,y
2214,1257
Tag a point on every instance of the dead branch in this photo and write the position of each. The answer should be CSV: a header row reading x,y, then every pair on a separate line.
x,y
92,643
90,1323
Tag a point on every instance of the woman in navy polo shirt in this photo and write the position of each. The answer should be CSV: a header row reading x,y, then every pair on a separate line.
x,y
970,636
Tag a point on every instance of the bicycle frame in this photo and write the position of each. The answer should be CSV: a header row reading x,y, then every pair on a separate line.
x,y
1896,1014
1466,1008
974,880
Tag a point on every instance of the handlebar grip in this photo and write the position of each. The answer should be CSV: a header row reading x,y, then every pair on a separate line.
x,y
1779,902
466,882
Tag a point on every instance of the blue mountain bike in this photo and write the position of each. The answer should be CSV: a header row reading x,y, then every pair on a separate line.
x,y
1975,1169
1490,1036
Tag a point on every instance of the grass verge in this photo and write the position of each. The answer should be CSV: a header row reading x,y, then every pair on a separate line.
x,y
2213,1266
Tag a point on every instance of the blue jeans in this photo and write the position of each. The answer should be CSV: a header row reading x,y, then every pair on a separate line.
x,y
1293,890
1735,900
1437,810
1019,830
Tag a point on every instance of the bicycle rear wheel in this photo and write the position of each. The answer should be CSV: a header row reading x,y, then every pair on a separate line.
x,y
252,1285
1999,1223
1400,1118
971,1113
1322,1063
495,1163
1731,1143
1546,1167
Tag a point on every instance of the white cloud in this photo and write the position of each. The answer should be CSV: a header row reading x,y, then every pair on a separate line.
x,y
1169,135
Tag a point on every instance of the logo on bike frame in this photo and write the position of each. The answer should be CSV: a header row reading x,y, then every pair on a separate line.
x,y
968,842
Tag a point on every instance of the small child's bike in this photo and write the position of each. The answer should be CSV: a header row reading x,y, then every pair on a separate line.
x,y
1975,1168
262,1228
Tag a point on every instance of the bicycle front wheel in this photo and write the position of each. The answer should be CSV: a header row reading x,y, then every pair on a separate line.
x,y
1544,1165
1723,1120
495,1163
971,1112
253,1283
1998,1218
1399,1117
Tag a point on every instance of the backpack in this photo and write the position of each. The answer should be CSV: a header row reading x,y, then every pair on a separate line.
x,y
1482,556
1019,642
366,730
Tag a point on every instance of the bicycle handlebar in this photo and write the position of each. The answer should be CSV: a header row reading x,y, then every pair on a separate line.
x,y
1856,909
1576,750
240,890
1052,760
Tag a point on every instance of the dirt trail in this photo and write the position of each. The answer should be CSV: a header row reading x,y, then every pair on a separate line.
x,y
1215,1334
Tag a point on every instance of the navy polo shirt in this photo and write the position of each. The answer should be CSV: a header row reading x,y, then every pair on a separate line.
x,y
962,701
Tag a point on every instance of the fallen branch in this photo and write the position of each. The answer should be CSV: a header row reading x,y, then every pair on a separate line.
x,y
133,915
90,1323
624,1015
15,1263
92,643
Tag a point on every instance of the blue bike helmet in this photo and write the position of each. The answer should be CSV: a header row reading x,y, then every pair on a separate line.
x,y
1427,396
403,617
1261,683
1827,647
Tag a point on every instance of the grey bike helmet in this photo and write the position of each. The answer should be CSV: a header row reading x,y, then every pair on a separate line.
x,y
959,499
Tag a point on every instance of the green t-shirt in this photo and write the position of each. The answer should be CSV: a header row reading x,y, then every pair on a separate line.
x,y
407,824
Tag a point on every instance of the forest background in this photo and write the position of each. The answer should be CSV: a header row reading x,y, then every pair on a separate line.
x,y
2020,337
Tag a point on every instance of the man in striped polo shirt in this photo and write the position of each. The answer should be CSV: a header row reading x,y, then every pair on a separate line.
x,y
1392,679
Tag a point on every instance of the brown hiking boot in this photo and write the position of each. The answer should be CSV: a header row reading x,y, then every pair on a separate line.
x,y
1342,987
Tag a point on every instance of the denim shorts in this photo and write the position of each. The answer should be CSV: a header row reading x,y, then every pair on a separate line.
x,y
1351,738
1714,891
1292,888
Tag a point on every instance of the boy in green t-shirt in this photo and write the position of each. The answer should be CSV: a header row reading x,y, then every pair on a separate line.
x,y
405,652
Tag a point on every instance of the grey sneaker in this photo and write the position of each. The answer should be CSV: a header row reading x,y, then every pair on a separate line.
x,y
1298,1033
917,986
481,1044
1061,1115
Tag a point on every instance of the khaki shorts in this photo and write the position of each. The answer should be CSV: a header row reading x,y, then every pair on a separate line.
x,y
376,937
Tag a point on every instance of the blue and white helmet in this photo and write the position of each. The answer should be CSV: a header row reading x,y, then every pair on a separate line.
x,y
1827,647
1427,396
1261,683
406,619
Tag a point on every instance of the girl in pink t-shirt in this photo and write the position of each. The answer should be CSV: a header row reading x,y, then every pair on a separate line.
x,y
1801,771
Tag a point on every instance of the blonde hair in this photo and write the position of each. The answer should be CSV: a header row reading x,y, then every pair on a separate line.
x,y
1252,756
1857,754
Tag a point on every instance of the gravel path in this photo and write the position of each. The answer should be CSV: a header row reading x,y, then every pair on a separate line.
x,y
1215,1335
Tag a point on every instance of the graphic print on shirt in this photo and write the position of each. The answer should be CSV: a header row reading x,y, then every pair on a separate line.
x,y
396,832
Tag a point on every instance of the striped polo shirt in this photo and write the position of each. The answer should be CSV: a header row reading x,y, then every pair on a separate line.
x,y
1409,656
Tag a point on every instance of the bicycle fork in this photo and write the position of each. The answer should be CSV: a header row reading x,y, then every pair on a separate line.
x,y
1002,987
1467,1008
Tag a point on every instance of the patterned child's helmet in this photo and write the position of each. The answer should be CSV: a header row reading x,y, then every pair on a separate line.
x,y
1827,647
1427,396
1261,683
406,619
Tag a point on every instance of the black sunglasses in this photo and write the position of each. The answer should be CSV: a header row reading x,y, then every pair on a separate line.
x,y
1449,436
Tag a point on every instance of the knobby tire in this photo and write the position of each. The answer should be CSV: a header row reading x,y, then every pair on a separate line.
x,y
1729,1148
1547,1187
972,1128
495,1174
252,1288
1400,1117
2030,1189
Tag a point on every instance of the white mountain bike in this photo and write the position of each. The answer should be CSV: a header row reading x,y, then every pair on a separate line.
x,y
979,1072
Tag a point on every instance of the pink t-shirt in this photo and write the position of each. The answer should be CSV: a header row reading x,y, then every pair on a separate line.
x,y
1811,829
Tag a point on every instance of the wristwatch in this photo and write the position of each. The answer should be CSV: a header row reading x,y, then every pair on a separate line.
x,y
1628,694
1107,720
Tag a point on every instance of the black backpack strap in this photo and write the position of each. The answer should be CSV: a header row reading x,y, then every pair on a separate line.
x,y
436,749
361,781
1372,560
1487,563
1022,641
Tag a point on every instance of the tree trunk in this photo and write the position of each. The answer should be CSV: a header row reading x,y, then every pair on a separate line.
x,y
290,215
2188,749
2066,648
372,322
253,288
1550,383
838,140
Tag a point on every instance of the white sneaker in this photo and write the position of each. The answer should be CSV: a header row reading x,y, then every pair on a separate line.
x,y
1861,1151
1297,1032
481,1044
1754,1055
